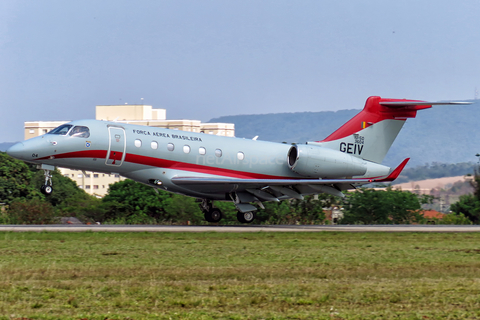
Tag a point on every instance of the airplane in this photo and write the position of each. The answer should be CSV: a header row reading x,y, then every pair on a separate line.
x,y
243,171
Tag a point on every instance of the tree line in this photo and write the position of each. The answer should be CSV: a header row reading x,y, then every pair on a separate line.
x,y
129,202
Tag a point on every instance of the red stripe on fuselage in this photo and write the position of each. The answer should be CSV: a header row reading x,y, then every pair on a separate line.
x,y
163,163
197,168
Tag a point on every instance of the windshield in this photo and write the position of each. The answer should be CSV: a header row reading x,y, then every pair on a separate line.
x,y
80,131
62,130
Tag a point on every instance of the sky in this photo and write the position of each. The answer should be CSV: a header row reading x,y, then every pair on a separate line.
x,y
202,59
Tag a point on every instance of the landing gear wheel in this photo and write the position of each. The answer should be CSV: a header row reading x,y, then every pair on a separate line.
x,y
246,217
46,189
213,215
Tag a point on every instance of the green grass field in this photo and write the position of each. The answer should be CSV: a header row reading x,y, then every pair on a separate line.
x,y
239,275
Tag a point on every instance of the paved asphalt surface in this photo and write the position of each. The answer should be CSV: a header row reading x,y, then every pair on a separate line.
x,y
241,228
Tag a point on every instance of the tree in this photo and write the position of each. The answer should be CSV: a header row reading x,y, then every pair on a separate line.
x,y
370,206
310,209
469,205
276,213
182,209
306,211
132,202
15,180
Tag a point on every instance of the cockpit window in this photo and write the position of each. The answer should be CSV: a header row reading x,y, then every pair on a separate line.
x,y
80,131
62,130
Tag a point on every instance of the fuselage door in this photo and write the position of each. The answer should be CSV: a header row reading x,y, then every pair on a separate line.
x,y
116,146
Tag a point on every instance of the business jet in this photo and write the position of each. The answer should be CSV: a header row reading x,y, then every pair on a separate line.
x,y
246,172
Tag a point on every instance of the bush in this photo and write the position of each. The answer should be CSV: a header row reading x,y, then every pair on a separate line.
x,y
30,212
454,218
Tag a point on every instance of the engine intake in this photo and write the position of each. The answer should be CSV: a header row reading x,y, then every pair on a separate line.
x,y
320,162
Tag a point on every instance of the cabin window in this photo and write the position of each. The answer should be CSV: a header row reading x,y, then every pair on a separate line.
x,y
240,155
202,150
138,143
186,149
80,132
218,152
154,145
170,146
62,130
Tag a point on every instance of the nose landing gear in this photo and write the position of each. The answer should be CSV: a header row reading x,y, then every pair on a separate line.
x,y
47,187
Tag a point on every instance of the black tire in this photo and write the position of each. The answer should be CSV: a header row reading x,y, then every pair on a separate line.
x,y
246,217
47,190
213,215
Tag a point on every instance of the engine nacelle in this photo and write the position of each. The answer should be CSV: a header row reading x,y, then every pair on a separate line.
x,y
320,162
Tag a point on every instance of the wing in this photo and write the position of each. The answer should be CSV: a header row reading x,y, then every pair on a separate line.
x,y
278,189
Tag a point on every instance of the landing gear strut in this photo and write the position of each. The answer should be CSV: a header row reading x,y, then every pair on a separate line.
x,y
246,211
211,214
47,187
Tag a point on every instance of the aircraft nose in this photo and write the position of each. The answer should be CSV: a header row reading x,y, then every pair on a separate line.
x,y
17,150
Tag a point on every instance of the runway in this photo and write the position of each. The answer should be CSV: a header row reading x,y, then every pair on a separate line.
x,y
241,228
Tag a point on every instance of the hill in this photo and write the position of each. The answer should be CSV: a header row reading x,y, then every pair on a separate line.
x,y
446,134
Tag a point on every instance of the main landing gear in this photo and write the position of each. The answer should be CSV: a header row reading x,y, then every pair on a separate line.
x,y
211,214
47,187
246,217
214,215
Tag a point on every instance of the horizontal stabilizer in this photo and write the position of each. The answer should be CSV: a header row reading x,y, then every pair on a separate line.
x,y
407,103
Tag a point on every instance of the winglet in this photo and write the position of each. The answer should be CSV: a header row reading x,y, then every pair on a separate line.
x,y
395,173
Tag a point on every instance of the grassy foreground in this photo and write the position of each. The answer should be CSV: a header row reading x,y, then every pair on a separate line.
x,y
239,276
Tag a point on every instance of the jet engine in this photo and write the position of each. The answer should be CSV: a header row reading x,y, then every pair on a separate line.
x,y
320,162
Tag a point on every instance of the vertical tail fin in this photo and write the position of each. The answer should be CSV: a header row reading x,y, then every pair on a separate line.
x,y
370,134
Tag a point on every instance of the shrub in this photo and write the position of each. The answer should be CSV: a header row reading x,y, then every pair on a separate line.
x,y
30,212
